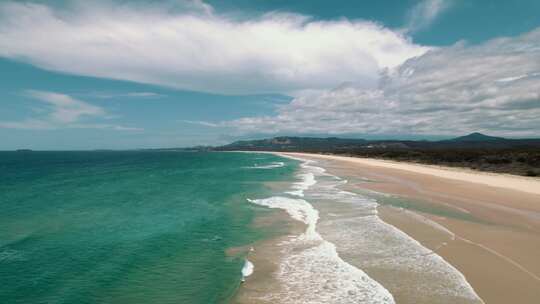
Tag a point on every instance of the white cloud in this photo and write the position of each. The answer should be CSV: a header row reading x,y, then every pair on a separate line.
x,y
514,78
201,123
104,126
493,87
193,48
63,111
141,95
66,109
424,13
27,124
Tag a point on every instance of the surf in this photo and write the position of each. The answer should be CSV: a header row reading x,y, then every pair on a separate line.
x,y
311,270
351,222
272,165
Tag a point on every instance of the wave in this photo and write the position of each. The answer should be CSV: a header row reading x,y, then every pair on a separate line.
x,y
311,270
272,165
372,243
307,178
247,270
10,255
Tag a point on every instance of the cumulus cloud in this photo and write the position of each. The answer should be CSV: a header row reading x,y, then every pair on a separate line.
x,y
191,47
63,111
493,87
424,13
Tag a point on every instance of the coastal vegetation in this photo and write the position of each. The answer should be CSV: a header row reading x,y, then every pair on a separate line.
x,y
475,151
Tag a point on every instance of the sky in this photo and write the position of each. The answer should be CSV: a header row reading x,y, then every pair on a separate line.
x,y
117,74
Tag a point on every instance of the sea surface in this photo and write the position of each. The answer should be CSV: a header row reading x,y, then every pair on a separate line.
x,y
179,227
130,227
347,254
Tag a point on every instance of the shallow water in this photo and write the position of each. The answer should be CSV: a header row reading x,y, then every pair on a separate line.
x,y
171,227
394,259
128,227
310,270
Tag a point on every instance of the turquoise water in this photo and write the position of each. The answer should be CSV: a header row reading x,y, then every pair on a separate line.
x,y
128,227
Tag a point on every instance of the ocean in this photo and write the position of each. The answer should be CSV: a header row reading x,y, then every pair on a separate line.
x,y
180,227
130,227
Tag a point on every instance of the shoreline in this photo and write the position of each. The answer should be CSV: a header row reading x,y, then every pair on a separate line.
x,y
382,266
491,222
302,266
501,180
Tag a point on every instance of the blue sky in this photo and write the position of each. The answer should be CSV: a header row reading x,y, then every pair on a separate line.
x,y
139,74
474,21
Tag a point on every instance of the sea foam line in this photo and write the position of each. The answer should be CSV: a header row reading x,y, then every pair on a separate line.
x,y
247,270
272,165
307,179
312,269
328,190
374,226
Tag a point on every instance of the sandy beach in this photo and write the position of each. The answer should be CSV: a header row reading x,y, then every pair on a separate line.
x,y
485,225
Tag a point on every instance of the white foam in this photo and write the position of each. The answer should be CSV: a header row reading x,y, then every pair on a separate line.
x,y
307,178
298,209
318,275
247,270
312,271
372,243
272,165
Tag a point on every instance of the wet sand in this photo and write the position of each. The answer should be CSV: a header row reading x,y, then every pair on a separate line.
x,y
490,230
266,257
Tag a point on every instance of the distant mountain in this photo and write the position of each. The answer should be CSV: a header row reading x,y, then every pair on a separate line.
x,y
346,145
477,137
290,143
476,150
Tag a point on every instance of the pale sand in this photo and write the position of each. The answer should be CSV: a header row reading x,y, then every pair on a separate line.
x,y
524,184
495,219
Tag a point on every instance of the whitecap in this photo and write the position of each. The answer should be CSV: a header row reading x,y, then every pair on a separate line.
x,y
247,270
312,271
359,234
371,243
272,165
